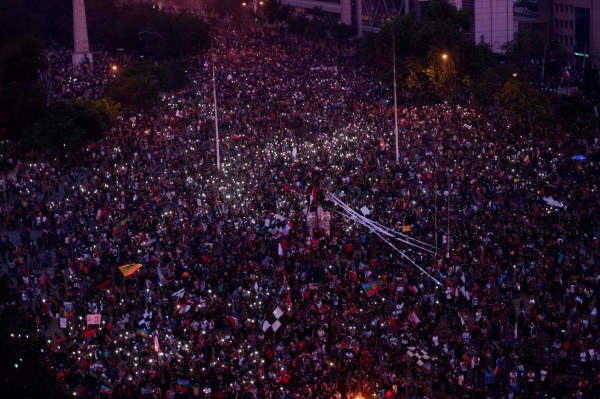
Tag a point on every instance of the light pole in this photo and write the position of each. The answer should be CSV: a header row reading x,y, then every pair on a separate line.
x,y
395,94
212,53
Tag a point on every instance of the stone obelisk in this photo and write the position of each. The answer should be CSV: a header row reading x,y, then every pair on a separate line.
x,y
82,57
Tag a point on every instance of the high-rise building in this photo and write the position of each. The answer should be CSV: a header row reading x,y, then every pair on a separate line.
x,y
575,24
493,22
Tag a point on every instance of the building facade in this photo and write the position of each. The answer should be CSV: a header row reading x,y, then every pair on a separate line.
x,y
575,24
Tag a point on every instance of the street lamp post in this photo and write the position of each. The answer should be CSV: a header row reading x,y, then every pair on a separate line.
x,y
212,53
395,96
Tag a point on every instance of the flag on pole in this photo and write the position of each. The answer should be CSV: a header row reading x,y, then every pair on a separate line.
x,y
156,344
354,277
128,270
162,281
178,294
414,318
106,390
288,300
233,321
281,248
372,288
312,199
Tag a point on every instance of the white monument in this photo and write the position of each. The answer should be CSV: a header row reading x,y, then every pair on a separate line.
x,y
82,57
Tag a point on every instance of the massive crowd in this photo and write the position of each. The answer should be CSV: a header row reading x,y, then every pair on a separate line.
x,y
227,257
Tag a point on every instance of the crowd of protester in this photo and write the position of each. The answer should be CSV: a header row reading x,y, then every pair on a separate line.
x,y
506,307
87,80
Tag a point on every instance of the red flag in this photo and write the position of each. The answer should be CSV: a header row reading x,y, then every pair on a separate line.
x,y
354,277
288,300
233,321
413,289
90,333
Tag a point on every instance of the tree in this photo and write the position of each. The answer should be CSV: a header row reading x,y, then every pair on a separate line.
x,y
441,74
50,19
297,23
21,60
417,78
140,84
70,124
22,98
25,369
528,43
342,32
146,29
136,86
573,114
492,81
442,30
526,106
271,10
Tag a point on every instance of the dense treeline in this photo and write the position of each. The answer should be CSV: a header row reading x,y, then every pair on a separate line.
x,y
26,118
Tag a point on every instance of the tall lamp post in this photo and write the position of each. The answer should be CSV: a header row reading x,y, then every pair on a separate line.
x,y
395,95
212,53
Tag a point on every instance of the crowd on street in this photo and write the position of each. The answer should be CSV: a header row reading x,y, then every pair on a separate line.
x,y
254,284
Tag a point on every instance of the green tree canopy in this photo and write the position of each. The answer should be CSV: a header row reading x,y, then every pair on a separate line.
x,y
443,30
146,29
573,114
25,370
526,106
22,98
69,124
139,84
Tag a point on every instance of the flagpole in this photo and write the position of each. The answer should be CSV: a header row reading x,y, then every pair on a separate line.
x,y
395,94
212,53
